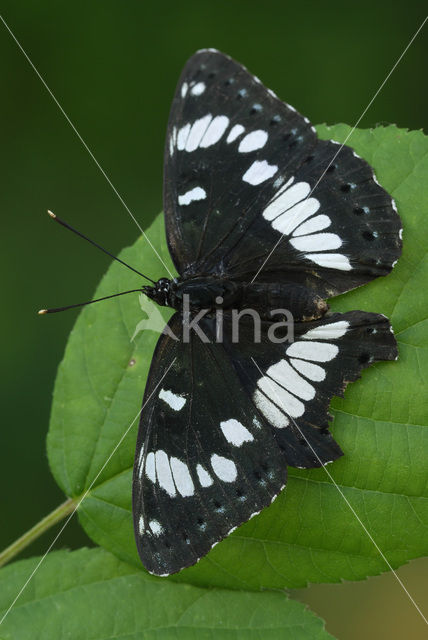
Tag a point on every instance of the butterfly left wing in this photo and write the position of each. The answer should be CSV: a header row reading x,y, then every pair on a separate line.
x,y
205,462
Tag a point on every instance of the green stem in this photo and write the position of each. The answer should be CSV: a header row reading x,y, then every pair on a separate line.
x,y
32,534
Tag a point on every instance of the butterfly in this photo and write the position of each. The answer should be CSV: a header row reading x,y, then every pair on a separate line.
x,y
259,213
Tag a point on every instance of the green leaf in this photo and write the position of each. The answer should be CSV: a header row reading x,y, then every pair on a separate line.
x,y
309,533
91,595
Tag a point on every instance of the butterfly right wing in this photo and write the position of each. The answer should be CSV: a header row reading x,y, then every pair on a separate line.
x,y
293,382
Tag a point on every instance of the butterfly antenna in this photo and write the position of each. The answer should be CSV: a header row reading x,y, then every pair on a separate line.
x,y
42,312
67,226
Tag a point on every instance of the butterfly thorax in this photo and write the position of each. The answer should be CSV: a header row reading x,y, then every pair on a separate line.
x,y
212,293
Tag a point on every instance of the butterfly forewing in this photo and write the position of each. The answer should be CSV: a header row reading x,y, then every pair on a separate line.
x,y
337,227
244,171
229,141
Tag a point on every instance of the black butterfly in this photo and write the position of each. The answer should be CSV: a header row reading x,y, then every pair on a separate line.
x,y
242,171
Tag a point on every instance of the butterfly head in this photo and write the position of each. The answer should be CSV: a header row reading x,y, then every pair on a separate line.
x,y
160,292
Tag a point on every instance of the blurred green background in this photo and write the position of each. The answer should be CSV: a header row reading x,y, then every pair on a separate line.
x,y
113,67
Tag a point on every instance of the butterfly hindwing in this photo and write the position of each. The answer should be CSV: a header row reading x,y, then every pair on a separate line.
x,y
337,228
204,462
292,383
244,172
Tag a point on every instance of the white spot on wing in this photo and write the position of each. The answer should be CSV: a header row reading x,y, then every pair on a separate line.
x,y
198,129
330,331
308,369
198,89
172,399
150,466
270,411
287,197
235,132
172,141
259,172
289,220
253,141
156,527
287,377
312,225
257,423
217,127
203,476
235,432
211,50
287,402
182,136
184,88
330,260
182,478
163,473
317,351
224,468
141,526
197,193
317,242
